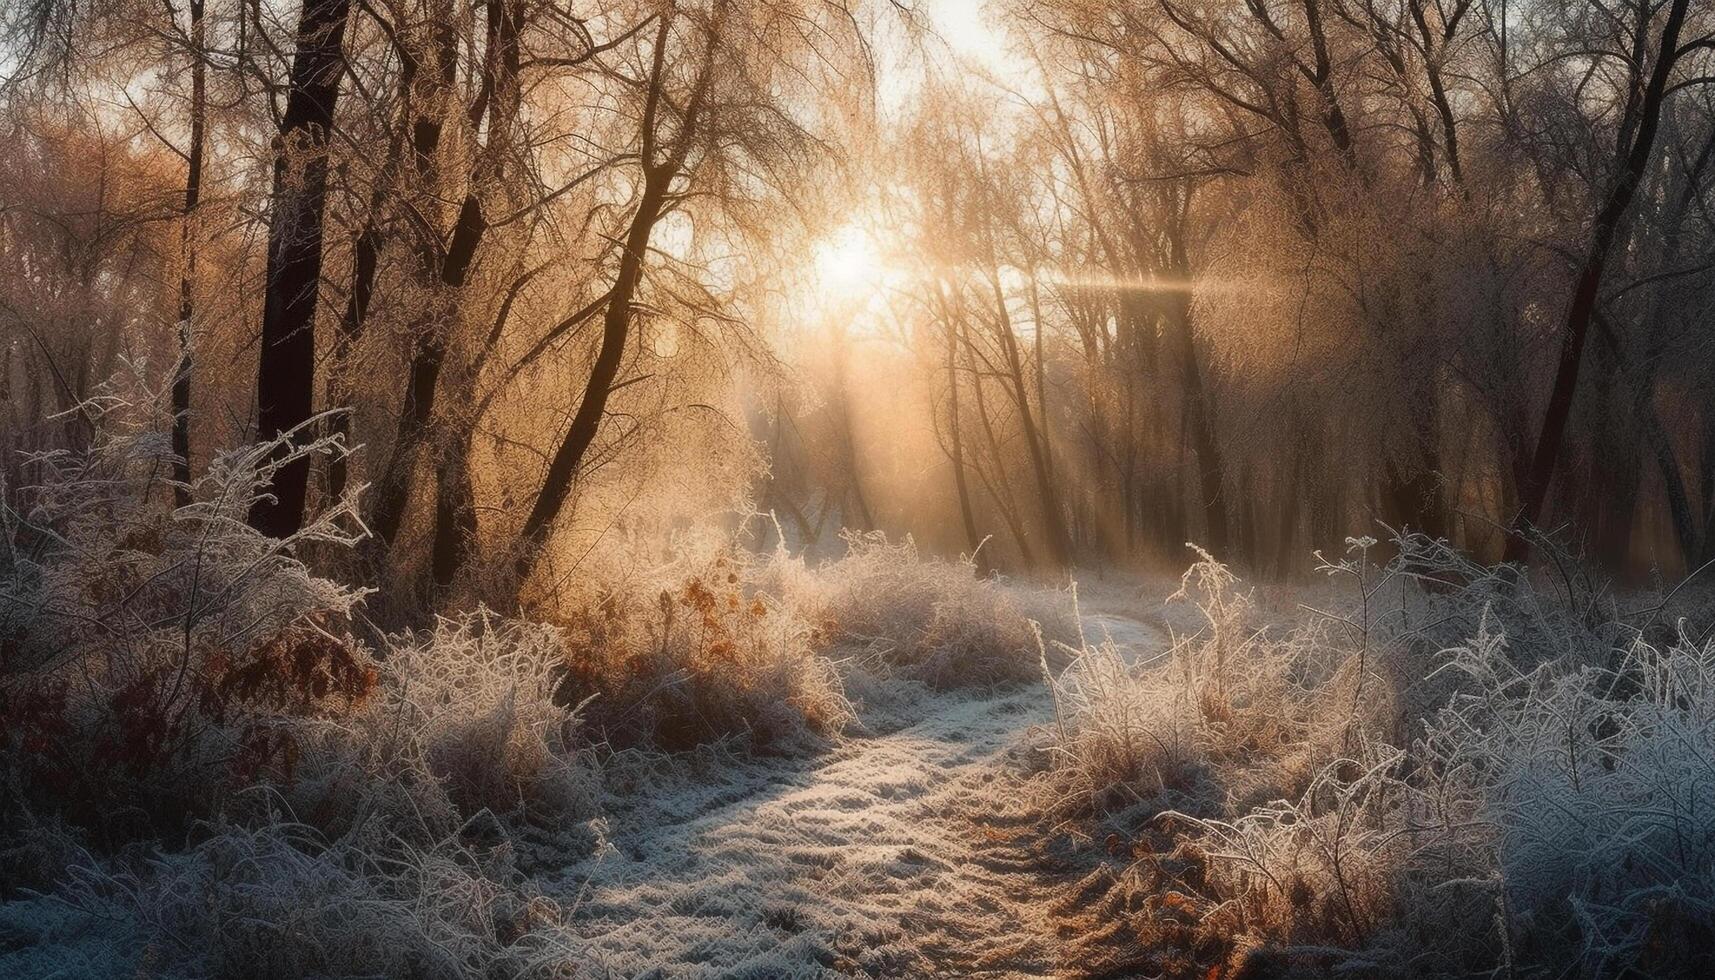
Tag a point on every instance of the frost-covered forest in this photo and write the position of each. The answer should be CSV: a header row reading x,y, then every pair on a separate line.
x,y
874,488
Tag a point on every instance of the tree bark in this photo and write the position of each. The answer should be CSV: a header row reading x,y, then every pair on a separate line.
x,y
960,485
365,260
658,175
446,270
1053,518
188,244
286,367
1586,294
616,326
1197,412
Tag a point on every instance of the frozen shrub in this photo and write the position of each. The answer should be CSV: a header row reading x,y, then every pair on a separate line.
x,y
695,652
1364,870
1122,732
464,719
1256,703
1554,815
282,902
150,652
1598,787
169,673
936,620
1402,613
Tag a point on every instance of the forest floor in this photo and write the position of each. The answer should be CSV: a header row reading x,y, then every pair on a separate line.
x,y
913,848
916,845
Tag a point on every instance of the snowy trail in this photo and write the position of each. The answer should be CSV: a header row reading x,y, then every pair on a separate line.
x,y
908,853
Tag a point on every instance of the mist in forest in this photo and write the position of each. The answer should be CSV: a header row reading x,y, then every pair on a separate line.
x,y
857,488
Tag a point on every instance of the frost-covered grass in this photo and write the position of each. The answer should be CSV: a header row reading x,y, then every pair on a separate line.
x,y
930,619
213,765
719,642
1233,698
158,659
697,650
1454,769
281,901
205,770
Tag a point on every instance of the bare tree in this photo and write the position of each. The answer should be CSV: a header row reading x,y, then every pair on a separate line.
x,y
286,368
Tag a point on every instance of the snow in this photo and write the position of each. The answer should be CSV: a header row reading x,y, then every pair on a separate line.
x,y
911,847
902,852
44,939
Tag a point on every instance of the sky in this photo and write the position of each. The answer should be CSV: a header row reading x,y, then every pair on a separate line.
x,y
970,31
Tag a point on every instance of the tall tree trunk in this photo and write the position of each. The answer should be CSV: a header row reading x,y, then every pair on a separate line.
x,y
286,367
1197,411
1288,479
657,175
437,261
1000,488
449,269
1412,495
1706,488
455,517
189,242
966,514
842,404
1322,76
1053,517
1036,331
1586,295
365,261
1434,46
568,459
423,377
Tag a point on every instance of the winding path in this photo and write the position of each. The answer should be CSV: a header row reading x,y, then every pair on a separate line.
x,y
912,852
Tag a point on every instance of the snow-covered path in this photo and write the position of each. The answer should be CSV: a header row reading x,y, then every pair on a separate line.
x,y
912,852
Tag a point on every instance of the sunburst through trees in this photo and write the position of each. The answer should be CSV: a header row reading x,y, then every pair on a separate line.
x,y
476,476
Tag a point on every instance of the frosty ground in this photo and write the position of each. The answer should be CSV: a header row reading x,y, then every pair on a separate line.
x,y
911,849
910,846
888,766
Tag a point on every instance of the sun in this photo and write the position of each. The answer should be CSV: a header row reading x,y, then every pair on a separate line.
x,y
849,264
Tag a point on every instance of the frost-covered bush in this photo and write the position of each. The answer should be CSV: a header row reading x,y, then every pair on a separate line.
x,y
1554,815
1597,787
202,763
1256,703
151,651
283,902
465,718
936,620
698,650
1403,612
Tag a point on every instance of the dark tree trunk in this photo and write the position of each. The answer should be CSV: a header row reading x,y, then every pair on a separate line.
x,y
455,518
365,260
446,270
1000,488
189,244
286,368
1706,488
1534,492
423,380
966,515
1197,412
1413,496
658,175
1322,76
1053,517
365,256
568,459
438,262
1434,45
1288,482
